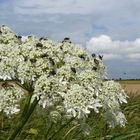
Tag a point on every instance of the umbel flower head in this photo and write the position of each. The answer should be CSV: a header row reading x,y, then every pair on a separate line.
x,y
10,96
59,74
112,95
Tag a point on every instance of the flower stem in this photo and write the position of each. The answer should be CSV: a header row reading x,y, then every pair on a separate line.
x,y
23,121
49,129
26,105
61,128
69,131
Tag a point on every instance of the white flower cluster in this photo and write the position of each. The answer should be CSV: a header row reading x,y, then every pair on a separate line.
x,y
46,89
112,95
10,96
61,74
79,101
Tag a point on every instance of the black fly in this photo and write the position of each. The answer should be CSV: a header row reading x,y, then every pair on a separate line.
x,y
33,60
7,85
100,57
82,57
66,39
73,69
96,61
42,38
51,61
61,47
52,72
19,37
93,55
25,58
44,55
39,45
94,68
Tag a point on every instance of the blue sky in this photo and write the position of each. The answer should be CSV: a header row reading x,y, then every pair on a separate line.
x,y
108,27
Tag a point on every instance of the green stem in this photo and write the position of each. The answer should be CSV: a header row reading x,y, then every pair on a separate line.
x,y
69,131
105,131
23,121
76,134
27,104
49,129
61,129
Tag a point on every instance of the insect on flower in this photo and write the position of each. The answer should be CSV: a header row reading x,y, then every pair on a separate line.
x,y
43,38
44,55
25,58
7,85
100,57
51,61
39,45
61,47
66,39
19,37
52,72
33,60
93,55
82,57
96,61
73,69
94,68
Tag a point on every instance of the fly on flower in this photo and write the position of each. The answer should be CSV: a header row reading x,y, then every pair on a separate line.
x,y
93,55
7,85
66,39
82,57
19,37
39,45
51,61
101,57
43,38
94,68
33,60
44,55
73,69
96,61
52,72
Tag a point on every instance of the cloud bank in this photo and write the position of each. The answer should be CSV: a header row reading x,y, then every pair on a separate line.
x,y
36,7
115,49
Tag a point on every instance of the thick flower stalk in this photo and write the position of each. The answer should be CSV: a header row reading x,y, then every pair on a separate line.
x,y
58,75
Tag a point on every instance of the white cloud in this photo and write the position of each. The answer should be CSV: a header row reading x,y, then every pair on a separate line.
x,y
36,7
134,56
115,49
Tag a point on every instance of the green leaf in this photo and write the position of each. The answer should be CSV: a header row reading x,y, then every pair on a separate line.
x,y
33,131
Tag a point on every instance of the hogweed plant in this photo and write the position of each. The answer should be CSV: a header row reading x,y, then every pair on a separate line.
x,y
62,78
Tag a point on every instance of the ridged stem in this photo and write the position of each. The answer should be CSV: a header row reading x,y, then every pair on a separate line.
x,y
23,121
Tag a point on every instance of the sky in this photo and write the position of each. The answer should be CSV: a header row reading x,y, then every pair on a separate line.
x,y
107,27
